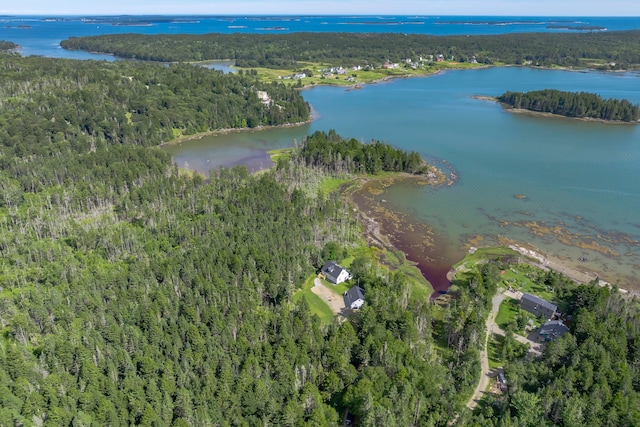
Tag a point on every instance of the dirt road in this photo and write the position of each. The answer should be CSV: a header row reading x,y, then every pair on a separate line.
x,y
333,300
484,356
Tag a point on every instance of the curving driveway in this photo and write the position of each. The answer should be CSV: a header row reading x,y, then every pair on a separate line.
x,y
484,356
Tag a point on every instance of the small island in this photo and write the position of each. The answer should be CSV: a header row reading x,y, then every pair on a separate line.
x,y
582,105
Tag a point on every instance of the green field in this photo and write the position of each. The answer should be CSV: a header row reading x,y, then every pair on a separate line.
x,y
485,254
329,185
279,153
507,313
317,306
493,348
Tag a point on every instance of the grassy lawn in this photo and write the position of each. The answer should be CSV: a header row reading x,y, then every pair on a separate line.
x,y
493,346
519,277
483,254
507,312
317,306
338,289
533,288
329,185
187,172
279,153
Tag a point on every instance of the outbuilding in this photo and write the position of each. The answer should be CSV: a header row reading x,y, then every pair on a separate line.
x,y
354,298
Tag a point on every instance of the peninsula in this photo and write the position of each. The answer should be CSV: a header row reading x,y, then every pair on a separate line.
x,y
305,59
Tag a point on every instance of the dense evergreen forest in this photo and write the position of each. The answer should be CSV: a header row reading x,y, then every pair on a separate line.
x,y
133,295
573,104
588,377
334,154
64,103
618,50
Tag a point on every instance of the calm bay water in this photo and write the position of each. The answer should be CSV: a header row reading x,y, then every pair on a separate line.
x,y
580,178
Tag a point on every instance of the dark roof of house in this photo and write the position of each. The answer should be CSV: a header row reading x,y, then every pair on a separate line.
x,y
533,300
553,329
330,268
353,294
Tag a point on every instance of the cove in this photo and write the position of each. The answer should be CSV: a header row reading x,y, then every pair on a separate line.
x,y
576,181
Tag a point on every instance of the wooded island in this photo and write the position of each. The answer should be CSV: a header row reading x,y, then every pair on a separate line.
x,y
573,104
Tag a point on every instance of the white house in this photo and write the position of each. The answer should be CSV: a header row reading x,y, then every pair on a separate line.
x,y
354,298
334,273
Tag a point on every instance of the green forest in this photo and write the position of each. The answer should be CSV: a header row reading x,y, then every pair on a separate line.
x,y
65,104
334,154
131,294
573,104
610,50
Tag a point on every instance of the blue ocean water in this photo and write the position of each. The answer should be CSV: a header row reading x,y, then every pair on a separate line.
x,y
41,35
580,178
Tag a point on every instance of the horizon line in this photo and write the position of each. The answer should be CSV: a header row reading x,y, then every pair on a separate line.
x,y
309,15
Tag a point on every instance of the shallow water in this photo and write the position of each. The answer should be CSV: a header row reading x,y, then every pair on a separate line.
x,y
579,179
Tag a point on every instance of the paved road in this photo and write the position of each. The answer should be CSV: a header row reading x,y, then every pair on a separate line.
x,y
484,356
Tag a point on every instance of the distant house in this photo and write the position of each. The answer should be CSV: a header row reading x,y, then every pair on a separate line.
x,y
537,306
354,297
264,97
334,273
552,329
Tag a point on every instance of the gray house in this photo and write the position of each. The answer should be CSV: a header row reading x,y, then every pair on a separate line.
x,y
537,306
334,273
552,329
354,297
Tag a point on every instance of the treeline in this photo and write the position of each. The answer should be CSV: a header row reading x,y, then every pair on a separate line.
x,y
611,50
65,103
590,376
573,104
5,45
133,295
334,154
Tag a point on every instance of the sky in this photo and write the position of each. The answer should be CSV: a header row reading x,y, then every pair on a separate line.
x,y
326,7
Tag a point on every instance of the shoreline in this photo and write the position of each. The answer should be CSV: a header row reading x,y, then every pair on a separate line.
x,y
537,258
226,131
385,237
524,111
394,230
508,108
